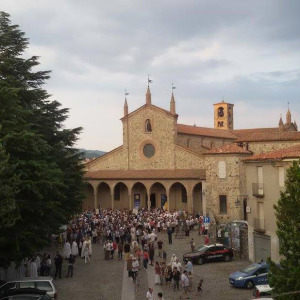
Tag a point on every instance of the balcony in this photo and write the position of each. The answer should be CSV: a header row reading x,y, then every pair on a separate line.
x,y
259,225
258,190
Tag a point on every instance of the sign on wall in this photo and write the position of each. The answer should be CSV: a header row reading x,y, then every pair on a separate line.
x,y
163,199
137,200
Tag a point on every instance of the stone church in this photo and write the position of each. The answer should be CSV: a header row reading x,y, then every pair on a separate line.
x,y
180,167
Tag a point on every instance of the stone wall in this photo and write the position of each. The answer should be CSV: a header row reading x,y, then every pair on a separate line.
x,y
262,147
200,143
186,159
232,186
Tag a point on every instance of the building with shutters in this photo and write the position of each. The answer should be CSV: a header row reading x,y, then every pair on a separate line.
x,y
162,163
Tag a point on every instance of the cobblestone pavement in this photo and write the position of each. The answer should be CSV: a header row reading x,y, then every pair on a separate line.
x,y
104,280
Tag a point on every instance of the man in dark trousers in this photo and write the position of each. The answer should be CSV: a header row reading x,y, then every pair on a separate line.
x,y
70,266
58,260
170,232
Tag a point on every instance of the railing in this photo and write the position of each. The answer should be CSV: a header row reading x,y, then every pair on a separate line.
x,y
259,225
258,189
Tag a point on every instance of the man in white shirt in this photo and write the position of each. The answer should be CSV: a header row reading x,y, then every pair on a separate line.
x,y
150,295
185,283
135,267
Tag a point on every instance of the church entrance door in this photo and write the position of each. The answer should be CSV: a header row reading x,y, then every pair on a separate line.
x,y
152,200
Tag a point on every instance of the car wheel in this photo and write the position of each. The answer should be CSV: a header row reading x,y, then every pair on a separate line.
x,y
249,285
227,258
200,261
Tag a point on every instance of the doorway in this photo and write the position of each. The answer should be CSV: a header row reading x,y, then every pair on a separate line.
x,y
152,200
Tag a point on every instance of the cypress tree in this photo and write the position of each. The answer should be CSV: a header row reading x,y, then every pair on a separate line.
x,y
285,278
42,181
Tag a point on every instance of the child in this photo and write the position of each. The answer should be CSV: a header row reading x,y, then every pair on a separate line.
x,y
199,289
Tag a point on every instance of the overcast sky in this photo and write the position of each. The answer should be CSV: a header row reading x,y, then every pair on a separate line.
x,y
244,51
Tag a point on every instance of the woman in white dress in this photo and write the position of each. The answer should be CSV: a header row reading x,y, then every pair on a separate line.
x,y
74,248
67,250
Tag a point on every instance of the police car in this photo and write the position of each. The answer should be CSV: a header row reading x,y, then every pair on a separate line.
x,y
208,253
255,274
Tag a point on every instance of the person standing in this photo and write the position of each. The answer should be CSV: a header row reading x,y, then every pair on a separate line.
x,y
170,232
189,267
48,265
74,249
87,253
120,251
192,245
150,295
160,246
151,254
58,260
176,279
67,250
157,271
71,266
206,241
185,283
145,259
135,268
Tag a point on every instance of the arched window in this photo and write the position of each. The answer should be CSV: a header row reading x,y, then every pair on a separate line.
x,y
221,112
148,126
222,169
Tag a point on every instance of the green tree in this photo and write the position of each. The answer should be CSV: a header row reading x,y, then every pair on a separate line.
x,y
43,169
285,278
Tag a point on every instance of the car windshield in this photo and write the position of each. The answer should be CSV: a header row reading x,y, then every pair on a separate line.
x,y
202,249
250,269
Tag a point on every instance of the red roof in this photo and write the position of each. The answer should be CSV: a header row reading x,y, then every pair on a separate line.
x,y
290,152
147,174
265,134
228,149
205,131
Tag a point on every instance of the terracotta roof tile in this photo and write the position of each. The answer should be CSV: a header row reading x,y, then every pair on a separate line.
x,y
265,134
147,174
290,152
205,131
228,149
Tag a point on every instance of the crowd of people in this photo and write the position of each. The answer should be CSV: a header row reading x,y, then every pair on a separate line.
x,y
134,237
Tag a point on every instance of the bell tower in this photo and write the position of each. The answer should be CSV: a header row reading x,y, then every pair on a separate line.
x,y
223,116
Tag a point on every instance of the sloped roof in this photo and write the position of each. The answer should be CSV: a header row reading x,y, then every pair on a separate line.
x,y
228,149
205,131
290,152
147,174
265,134
149,105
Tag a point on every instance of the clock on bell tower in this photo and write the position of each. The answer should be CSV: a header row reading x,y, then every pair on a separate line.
x,y
223,116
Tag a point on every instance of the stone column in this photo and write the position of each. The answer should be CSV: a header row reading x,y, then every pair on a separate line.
x,y
112,199
190,203
167,206
130,200
95,198
204,192
148,194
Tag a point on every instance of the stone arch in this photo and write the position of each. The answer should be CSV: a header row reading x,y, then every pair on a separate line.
x,y
120,195
104,195
158,195
139,196
178,196
88,201
197,198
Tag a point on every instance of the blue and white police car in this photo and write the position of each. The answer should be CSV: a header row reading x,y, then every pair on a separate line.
x,y
251,276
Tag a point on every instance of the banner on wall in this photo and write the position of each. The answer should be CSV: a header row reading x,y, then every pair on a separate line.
x,y
163,199
137,200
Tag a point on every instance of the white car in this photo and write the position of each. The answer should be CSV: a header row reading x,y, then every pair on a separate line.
x,y
262,291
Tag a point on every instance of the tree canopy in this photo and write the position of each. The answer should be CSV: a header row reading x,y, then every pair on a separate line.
x,y
41,177
285,278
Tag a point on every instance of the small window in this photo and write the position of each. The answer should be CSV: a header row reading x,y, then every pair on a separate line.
x,y
148,126
221,124
222,169
221,112
27,284
44,286
223,204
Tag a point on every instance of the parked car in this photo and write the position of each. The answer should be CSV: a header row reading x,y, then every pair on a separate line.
x,y
26,293
254,274
208,253
262,291
40,283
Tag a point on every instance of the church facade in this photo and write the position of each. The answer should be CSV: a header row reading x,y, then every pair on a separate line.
x,y
180,167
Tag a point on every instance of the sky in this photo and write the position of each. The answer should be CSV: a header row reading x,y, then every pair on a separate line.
x,y
245,52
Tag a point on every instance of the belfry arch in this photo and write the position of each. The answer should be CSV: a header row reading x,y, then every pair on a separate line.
x,y
88,202
158,195
139,196
197,198
104,196
120,196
